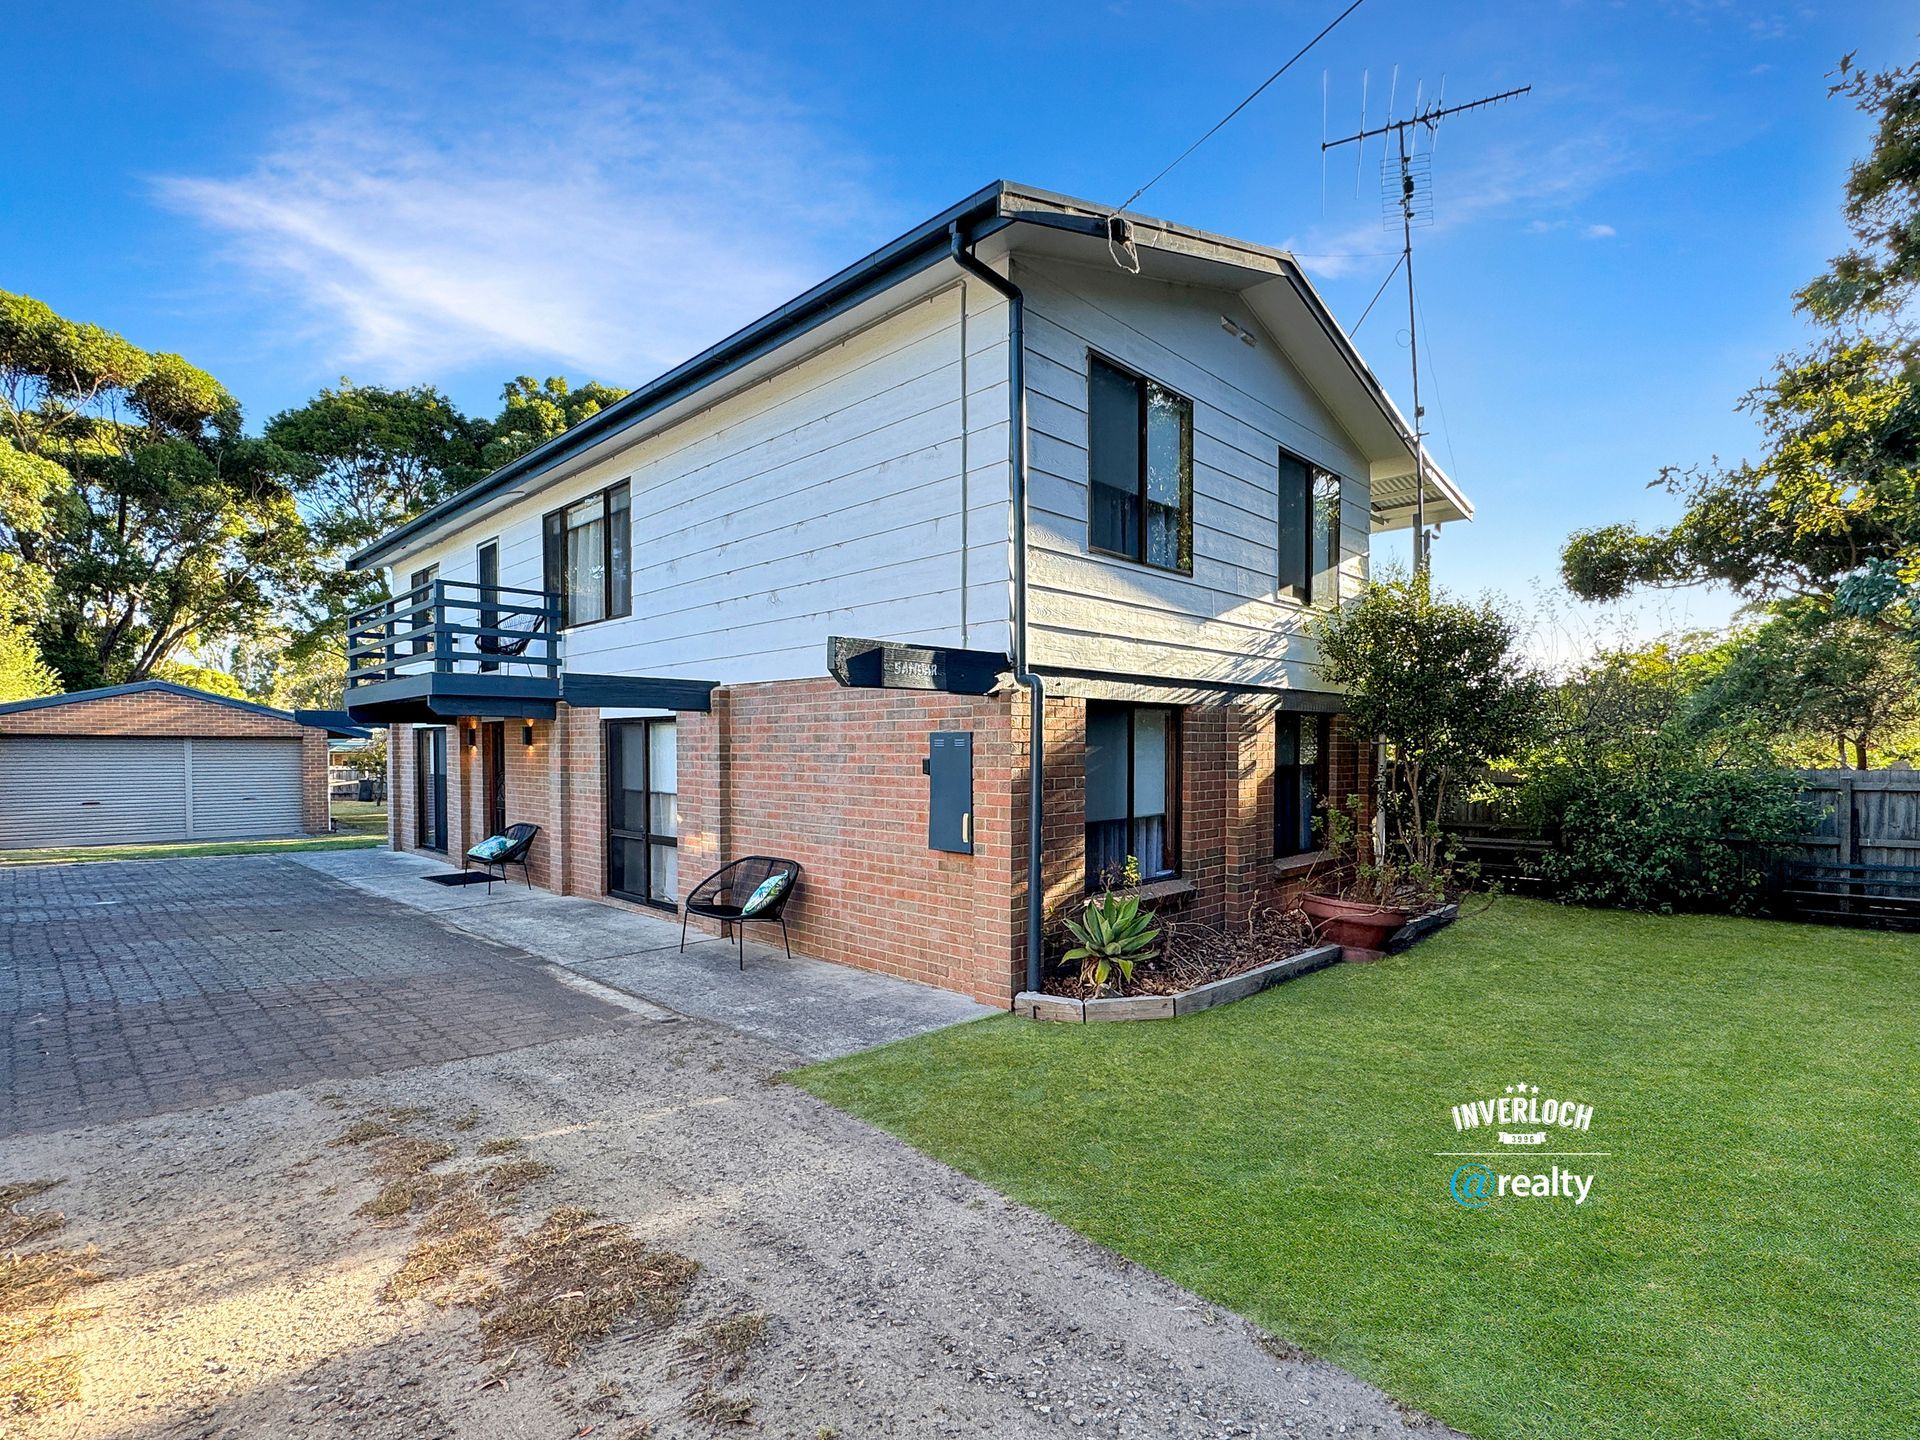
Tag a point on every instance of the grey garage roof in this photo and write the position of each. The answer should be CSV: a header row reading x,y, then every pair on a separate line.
x,y
148,687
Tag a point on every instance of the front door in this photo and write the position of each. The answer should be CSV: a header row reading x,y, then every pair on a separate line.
x,y
643,811
493,749
430,786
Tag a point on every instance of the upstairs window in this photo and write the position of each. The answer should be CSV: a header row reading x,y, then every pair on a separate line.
x,y
1139,469
1132,781
1300,783
1309,532
585,548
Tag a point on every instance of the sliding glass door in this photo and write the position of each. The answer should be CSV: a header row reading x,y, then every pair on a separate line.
x,y
643,811
430,786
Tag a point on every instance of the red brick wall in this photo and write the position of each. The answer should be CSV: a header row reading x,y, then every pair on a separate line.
x,y
831,778
1226,807
164,714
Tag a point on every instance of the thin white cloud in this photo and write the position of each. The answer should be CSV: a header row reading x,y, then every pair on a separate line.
x,y
612,220
1601,232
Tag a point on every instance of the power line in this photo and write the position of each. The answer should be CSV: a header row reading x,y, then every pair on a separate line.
x,y
1241,106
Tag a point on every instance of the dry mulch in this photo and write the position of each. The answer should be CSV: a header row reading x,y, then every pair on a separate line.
x,y
1191,954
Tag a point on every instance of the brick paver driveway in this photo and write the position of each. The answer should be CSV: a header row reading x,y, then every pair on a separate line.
x,y
132,988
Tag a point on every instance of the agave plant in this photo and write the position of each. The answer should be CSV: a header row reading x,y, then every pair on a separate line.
x,y
1114,934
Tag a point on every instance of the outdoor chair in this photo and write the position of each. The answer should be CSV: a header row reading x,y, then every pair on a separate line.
x,y
756,888
504,850
510,647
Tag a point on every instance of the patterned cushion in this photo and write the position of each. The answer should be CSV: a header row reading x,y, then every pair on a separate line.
x,y
766,894
491,848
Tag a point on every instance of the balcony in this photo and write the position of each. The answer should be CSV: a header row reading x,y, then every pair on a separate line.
x,y
453,648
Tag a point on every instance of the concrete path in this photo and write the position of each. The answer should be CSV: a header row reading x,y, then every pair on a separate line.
x,y
810,1008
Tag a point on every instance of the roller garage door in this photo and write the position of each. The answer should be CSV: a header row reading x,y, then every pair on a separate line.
x,y
118,790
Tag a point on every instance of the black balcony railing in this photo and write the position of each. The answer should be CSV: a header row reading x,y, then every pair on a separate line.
x,y
456,627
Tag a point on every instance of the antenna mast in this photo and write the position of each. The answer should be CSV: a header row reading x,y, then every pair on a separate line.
x,y
1406,204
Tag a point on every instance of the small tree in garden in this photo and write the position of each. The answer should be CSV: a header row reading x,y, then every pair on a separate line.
x,y
1443,683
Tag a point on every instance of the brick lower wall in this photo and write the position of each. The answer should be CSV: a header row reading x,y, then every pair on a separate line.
x,y
159,713
1226,816
832,778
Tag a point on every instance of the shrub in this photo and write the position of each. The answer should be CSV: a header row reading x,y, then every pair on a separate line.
x,y
1677,834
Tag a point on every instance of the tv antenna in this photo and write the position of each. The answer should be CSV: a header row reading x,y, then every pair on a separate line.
x,y
1407,181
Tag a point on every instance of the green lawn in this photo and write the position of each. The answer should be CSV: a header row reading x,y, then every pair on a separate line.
x,y
190,848
362,817
1747,1263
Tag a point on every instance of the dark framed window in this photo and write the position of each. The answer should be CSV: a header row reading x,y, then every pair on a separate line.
x,y
1300,783
1309,532
1139,468
486,574
419,581
643,811
585,549
1133,790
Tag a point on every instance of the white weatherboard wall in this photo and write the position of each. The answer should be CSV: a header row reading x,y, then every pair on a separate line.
x,y
1226,622
826,499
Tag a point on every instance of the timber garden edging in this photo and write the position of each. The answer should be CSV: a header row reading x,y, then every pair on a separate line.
x,y
1033,1005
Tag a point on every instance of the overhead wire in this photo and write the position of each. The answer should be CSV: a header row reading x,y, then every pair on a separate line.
x,y
1220,124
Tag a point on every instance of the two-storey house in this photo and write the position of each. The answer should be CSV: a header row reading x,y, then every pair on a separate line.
x,y
806,594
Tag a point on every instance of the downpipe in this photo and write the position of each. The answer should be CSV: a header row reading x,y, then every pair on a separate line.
x,y
1035,687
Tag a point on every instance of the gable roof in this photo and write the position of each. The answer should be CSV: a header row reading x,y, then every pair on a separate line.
x,y
987,214
148,687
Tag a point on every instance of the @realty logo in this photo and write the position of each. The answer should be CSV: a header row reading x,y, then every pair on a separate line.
x,y
1521,1122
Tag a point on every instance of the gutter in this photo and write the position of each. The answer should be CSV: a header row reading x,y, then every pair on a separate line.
x,y
964,257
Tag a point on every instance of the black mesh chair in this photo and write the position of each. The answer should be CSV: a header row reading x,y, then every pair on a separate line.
x,y
509,647
725,894
520,842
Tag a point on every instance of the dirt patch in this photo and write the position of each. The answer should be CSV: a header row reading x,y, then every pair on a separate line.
x,y
35,1285
245,1296
572,1281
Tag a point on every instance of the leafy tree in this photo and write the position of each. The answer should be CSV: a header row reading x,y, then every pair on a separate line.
x,y
136,514
1830,512
1815,686
534,412
1440,680
365,458
200,677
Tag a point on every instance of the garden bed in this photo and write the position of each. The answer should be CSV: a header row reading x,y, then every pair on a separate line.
x,y
1201,966
1191,955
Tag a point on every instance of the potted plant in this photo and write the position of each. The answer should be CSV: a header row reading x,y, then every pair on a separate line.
x,y
1443,685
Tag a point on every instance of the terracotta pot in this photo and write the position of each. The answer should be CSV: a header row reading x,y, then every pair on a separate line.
x,y
1360,930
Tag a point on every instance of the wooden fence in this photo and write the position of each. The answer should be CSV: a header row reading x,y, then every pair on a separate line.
x,y
1858,863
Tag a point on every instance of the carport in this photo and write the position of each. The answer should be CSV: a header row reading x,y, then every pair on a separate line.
x,y
155,762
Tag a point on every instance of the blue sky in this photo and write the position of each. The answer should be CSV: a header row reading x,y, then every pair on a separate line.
x,y
456,194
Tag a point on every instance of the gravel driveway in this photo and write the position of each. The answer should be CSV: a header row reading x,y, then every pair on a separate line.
x,y
243,1294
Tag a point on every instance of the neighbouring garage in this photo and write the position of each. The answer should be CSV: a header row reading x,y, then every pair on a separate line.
x,y
156,762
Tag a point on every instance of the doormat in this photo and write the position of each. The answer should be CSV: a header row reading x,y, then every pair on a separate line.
x,y
465,877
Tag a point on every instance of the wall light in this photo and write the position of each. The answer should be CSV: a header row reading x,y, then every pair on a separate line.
x,y
526,733
472,733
